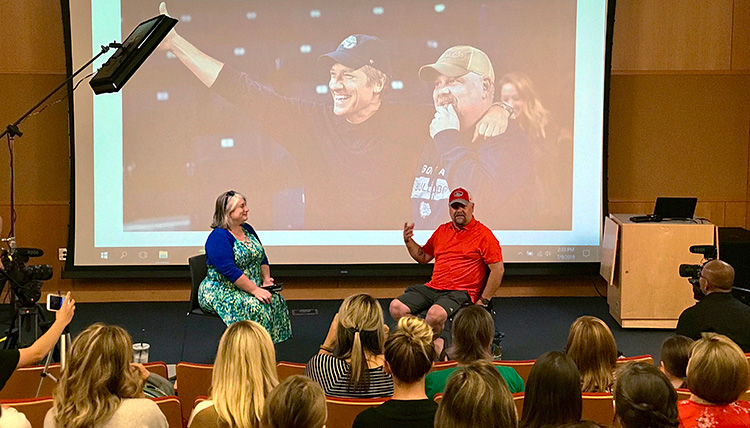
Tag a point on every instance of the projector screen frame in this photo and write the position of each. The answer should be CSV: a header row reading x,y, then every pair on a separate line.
x,y
72,270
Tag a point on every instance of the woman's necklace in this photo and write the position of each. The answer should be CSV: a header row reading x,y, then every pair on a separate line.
x,y
240,236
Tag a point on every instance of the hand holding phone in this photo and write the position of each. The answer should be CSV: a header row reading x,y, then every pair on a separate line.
x,y
54,302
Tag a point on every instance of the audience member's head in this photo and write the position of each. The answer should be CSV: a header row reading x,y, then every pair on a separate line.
x,y
581,424
553,392
476,396
644,397
360,331
97,377
717,371
473,331
675,351
592,347
297,402
244,374
409,351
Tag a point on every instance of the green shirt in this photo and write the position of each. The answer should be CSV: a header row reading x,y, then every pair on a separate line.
x,y
435,381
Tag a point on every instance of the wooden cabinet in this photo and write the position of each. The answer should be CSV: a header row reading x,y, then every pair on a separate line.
x,y
645,289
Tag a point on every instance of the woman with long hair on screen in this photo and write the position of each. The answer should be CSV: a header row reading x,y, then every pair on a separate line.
x,y
100,387
517,90
592,347
238,274
350,362
243,376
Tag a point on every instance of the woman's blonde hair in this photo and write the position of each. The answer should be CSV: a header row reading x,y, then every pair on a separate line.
x,y
297,402
225,204
717,370
476,396
592,347
244,374
533,116
473,331
409,350
360,329
97,378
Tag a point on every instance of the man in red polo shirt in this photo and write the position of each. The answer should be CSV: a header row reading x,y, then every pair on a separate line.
x,y
468,266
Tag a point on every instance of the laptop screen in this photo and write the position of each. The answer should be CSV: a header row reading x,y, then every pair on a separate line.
x,y
675,207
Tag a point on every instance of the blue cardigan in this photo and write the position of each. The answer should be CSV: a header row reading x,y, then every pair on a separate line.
x,y
220,252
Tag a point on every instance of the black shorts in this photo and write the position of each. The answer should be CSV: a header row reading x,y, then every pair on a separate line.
x,y
420,297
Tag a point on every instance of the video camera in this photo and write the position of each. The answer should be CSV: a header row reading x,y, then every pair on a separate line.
x,y
693,272
25,281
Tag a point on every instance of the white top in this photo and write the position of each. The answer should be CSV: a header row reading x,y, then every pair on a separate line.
x,y
12,418
131,413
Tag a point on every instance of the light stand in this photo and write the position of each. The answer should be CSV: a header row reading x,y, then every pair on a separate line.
x,y
12,131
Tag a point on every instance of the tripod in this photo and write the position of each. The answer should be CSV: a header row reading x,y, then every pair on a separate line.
x,y
63,343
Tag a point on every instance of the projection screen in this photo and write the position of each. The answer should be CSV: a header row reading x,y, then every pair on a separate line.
x,y
150,160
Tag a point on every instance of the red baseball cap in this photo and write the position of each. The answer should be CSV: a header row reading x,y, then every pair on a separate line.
x,y
459,195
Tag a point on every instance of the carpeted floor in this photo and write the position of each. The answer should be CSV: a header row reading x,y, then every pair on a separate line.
x,y
532,326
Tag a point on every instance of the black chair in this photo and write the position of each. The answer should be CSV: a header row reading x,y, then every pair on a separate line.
x,y
206,328
198,271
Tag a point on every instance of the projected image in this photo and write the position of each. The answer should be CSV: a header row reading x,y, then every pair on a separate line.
x,y
341,122
319,115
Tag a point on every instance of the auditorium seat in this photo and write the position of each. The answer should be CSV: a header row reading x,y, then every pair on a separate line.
x,y
342,411
442,365
598,407
157,367
24,382
172,409
284,369
193,380
522,367
648,359
683,394
518,401
33,408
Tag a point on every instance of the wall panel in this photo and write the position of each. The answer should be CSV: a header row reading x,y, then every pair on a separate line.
x,y
31,37
676,135
684,35
741,36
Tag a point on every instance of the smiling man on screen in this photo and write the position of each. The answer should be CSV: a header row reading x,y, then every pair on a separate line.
x,y
468,265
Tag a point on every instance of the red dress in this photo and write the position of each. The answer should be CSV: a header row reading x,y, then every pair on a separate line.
x,y
695,415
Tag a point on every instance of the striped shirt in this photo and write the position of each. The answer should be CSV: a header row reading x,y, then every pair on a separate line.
x,y
332,373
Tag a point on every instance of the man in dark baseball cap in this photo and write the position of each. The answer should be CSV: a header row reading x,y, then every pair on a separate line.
x,y
359,50
360,69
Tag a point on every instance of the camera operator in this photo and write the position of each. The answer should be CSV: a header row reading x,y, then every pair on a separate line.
x,y
12,359
719,311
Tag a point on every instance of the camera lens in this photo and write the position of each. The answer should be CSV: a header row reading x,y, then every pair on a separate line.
x,y
37,273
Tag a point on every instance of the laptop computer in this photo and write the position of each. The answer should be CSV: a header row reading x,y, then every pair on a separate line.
x,y
670,208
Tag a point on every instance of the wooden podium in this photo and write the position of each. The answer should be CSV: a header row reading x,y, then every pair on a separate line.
x,y
640,262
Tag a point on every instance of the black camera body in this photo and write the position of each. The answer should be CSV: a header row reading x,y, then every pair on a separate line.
x,y
693,272
25,281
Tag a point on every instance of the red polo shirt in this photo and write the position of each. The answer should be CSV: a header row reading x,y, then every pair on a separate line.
x,y
462,256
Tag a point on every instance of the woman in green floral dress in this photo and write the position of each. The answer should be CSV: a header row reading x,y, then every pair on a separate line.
x,y
238,270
